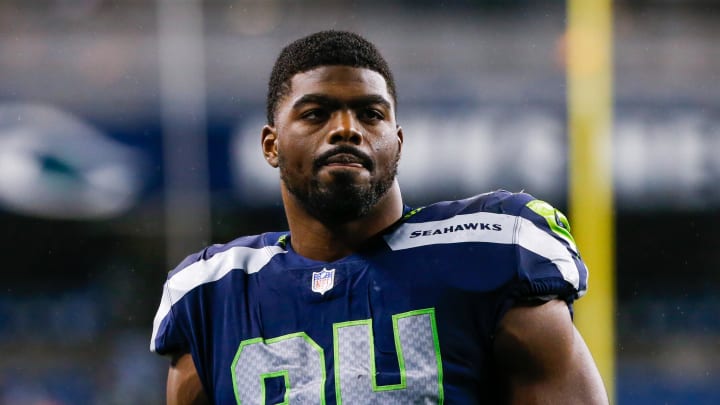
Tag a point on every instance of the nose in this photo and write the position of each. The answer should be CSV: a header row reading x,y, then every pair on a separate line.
x,y
345,128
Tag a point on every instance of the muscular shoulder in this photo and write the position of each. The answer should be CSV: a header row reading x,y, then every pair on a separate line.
x,y
496,211
242,249
496,202
526,237
520,207
501,212
212,266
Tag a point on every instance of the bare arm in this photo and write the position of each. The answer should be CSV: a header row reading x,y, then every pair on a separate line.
x,y
183,383
543,358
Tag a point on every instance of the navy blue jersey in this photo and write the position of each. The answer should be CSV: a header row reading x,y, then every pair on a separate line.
x,y
409,318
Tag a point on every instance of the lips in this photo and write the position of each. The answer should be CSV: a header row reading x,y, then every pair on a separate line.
x,y
344,156
345,159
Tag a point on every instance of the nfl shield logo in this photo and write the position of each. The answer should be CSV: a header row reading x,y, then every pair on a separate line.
x,y
323,281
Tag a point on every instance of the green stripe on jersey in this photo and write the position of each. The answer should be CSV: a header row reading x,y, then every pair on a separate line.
x,y
557,221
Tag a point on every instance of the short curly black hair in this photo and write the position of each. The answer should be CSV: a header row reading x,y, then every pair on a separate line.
x,y
323,48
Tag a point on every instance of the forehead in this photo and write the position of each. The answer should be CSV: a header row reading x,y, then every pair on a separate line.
x,y
338,81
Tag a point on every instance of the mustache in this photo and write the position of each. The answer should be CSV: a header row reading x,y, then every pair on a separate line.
x,y
365,160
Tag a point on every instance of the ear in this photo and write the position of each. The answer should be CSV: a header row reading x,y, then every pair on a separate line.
x,y
269,145
399,134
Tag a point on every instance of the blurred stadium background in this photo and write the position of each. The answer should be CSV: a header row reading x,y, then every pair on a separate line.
x,y
129,137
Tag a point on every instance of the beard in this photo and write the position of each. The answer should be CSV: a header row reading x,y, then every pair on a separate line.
x,y
342,199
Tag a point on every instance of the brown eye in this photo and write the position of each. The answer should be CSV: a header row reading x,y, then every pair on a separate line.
x,y
370,115
314,115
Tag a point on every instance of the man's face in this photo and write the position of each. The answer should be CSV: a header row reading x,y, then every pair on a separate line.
x,y
335,141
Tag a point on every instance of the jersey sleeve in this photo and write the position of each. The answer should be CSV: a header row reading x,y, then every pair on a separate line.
x,y
184,319
548,262
168,334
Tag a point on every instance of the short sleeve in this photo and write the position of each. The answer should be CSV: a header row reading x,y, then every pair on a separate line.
x,y
167,337
548,262
168,334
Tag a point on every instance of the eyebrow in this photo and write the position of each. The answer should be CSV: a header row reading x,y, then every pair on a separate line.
x,y
335,103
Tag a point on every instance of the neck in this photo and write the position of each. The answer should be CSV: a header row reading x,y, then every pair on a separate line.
x,y
316,240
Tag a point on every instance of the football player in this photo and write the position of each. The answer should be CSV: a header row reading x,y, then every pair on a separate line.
x,y
365,300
